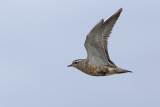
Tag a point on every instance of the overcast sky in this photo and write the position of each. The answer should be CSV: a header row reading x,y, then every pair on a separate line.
x,y
39,38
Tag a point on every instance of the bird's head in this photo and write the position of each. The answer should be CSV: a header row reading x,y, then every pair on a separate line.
x,y
75,63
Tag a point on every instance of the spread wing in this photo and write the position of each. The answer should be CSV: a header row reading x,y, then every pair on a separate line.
x,y
97,40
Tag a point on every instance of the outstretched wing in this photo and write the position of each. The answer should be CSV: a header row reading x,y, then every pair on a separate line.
x,y
97,41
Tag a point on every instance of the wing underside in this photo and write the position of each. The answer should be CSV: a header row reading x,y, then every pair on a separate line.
x,y
97,41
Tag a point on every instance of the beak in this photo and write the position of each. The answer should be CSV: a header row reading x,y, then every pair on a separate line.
x,y
69,65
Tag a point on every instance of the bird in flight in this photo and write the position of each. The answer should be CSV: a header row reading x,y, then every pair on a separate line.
x,y
98,62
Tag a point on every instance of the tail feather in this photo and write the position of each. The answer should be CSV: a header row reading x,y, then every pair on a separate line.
x,y
119,71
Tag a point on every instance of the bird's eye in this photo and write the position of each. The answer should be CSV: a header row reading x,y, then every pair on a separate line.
x,y
75,62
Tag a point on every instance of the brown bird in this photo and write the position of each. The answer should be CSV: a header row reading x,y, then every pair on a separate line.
x,y
98,62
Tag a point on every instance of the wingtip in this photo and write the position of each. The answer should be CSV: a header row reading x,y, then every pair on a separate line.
x,y
102,20
120,10
130,71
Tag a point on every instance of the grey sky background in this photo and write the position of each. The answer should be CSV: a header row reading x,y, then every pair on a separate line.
x,y
39,38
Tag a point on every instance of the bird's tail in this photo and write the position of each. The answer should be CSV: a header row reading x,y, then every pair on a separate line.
x,y
120,70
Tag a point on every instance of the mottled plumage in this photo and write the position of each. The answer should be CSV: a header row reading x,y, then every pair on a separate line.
x,y
98,62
